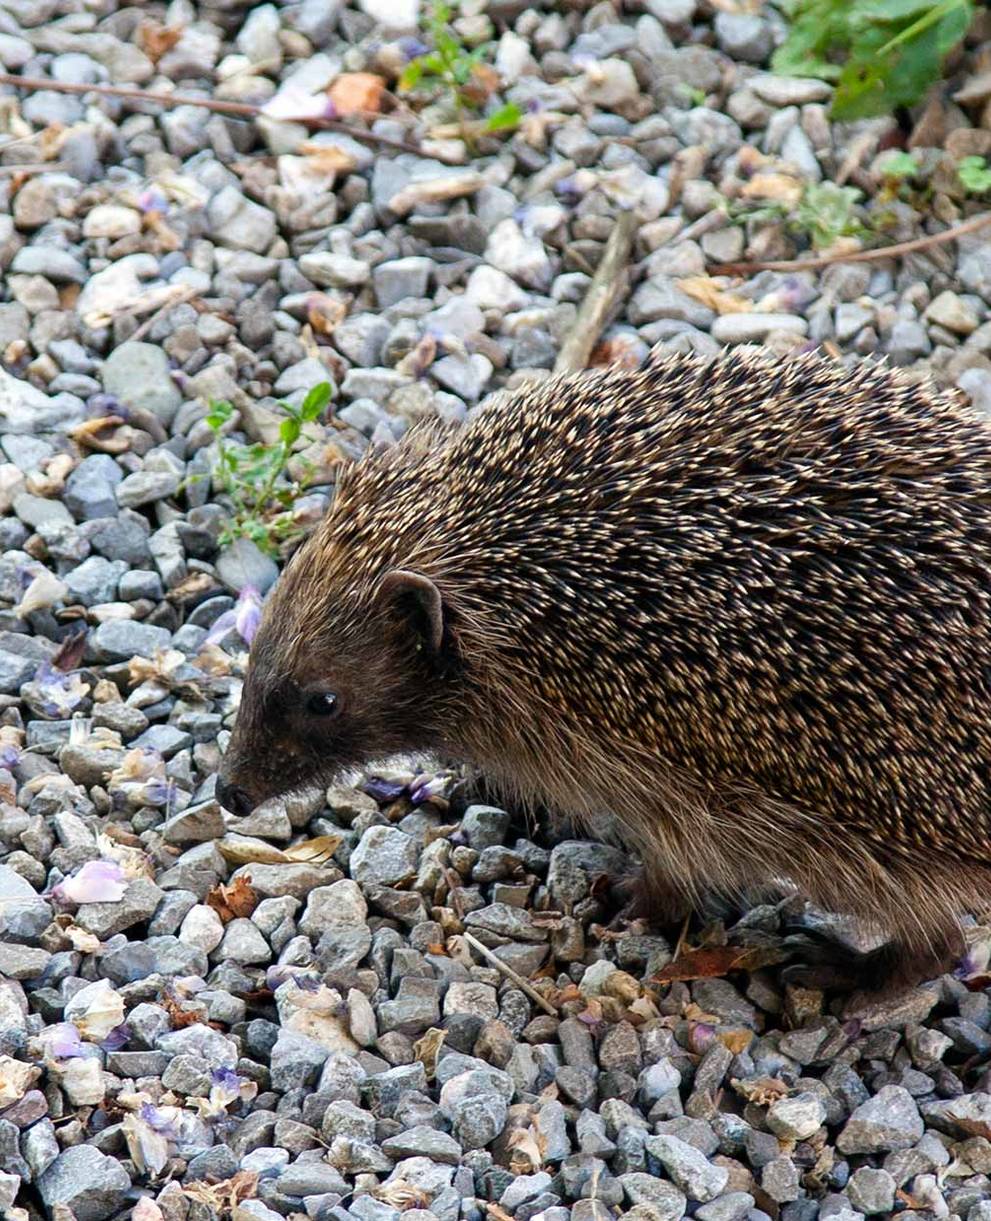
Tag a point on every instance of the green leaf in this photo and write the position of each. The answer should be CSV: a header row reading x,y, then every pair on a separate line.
x,y
506,118
412,74
900,165
289,431
975,175
316,401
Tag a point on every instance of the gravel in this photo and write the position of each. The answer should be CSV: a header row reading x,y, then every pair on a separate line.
x,y
196,1009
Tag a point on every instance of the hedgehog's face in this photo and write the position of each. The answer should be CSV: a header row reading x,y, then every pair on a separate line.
x,y
368,686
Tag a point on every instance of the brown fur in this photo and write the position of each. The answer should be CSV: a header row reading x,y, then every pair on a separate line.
x,y
743,605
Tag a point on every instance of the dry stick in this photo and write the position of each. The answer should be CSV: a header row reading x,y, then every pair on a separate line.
x,y
518,980
608,284
240,110
857,256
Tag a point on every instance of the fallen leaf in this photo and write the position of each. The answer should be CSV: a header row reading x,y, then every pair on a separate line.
x,y
357,93
760,1090
717,961
155,39
328,158
427,1048
44,591
246,850
225,1196
325,313
402,1195
69,655
736,1041
706,290
16,1078
234,900
780,188
528,1150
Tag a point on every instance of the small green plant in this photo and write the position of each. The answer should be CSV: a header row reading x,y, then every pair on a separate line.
x,y
882,54
975,175
826,212
250,474
900,166
460,73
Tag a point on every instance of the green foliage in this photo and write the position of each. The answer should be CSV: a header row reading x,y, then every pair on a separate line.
x,y
881,54
975,175
826,212
250,474
900,166
453,67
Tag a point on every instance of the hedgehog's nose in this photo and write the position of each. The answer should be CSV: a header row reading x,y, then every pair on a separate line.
x,y
232,797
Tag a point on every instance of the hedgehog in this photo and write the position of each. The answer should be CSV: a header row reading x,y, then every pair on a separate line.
x,y
741,609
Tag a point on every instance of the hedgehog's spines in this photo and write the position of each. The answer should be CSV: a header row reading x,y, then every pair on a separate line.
x,y
746,605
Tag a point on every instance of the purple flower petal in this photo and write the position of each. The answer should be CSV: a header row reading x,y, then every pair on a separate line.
x,y
221,626
63,1041
248,613
152,200
10,756
384,790
95,882
412,48
226,1077
117,1038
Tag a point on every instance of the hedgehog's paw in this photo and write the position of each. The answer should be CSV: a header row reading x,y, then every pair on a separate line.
x,y
827,962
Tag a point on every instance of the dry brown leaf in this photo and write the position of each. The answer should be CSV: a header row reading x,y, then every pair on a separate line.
x,y
325,313
427,1048
737,1041
328,158
181,1017
780,188
227,1195
706,290
529,1149
357,93
500,1214
761,1090
717,961
402,1195
155,39
235,900
246,850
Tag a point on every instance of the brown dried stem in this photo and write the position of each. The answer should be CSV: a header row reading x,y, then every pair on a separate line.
x,y
521,983
856,256
239,110
608,284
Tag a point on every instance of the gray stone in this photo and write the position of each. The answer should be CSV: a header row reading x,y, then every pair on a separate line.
x,y
145,487
384,855
330,270
743,36
154,956
138,374
122,639
796,1118
296,1061
734,1206
36,511
888,1121
237,222
872,1191
89,490
398,279
422,1141
23,961
697,1177
752,328
82,1178
665,1201
137,906
660,297
95,580
243,563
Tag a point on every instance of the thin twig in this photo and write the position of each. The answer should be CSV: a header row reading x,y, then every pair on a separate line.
x,y
31,167
239,110
608,284
517,979
181,299
856,256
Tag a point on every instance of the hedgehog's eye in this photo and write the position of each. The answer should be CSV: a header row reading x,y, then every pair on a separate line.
x,y
322,703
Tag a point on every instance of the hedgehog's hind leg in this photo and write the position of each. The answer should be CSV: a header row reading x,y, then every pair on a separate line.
x,y
826,961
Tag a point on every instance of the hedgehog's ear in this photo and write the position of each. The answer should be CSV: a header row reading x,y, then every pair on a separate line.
x,y
420,600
